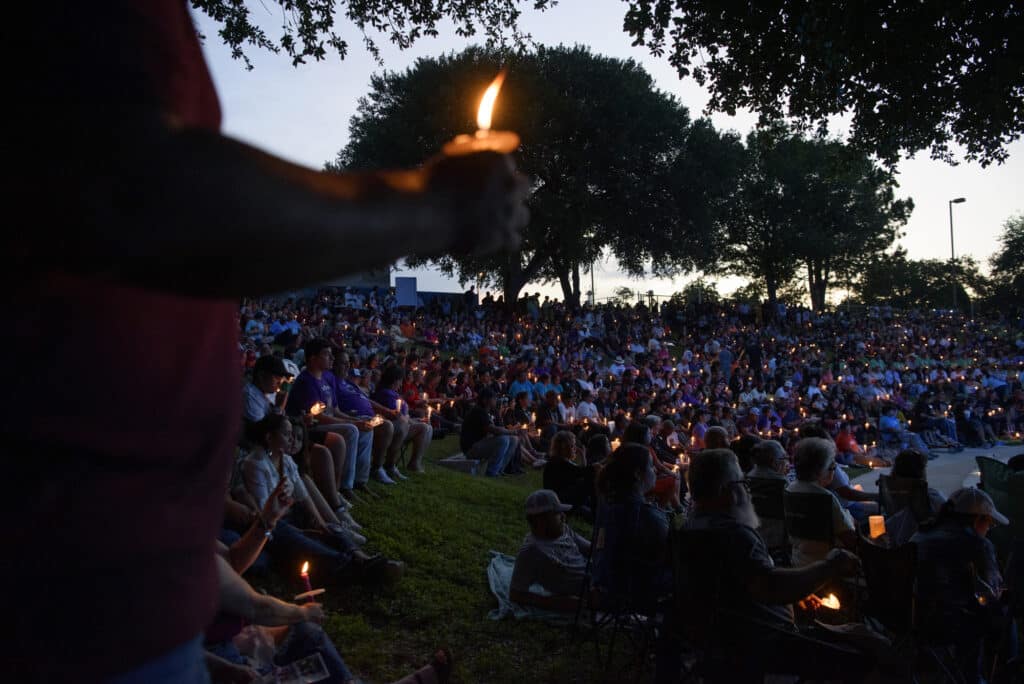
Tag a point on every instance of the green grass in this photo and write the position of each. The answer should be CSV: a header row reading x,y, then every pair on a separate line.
x,y
442,524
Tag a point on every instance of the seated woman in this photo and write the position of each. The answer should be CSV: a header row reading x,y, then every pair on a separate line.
x,y
815,468
910,464
631,549
333,554
573,483
665,488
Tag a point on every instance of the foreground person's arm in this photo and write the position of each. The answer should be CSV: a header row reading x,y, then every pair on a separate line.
x,y
789,585
238,598
195,212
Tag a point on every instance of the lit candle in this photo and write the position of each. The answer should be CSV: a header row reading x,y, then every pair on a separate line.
x,y
830,601
317,408
305,576
484,140
876,525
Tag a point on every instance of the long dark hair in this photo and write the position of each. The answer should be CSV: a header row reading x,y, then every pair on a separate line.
x,y
259,431
625,469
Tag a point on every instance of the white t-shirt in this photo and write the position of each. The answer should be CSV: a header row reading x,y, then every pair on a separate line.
x,y
586,409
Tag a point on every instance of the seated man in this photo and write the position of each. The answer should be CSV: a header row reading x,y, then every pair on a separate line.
x,y
552,556
815,469
750,586
484,441
958,580
891,424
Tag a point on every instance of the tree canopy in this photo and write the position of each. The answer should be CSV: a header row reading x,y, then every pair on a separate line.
x,y
616,164
911,75
894,280
309,30
812,205
1008,263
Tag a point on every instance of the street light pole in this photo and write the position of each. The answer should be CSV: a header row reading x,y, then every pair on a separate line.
x,y
952,250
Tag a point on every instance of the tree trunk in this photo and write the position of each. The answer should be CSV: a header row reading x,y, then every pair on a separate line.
x,y
772,286
515,277
569,279
817,284
574,303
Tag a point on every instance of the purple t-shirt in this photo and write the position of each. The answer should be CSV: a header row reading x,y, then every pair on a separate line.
x,y
350,398
307,391
389,398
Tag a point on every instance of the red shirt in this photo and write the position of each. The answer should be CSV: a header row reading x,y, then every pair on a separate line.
x,y
127,401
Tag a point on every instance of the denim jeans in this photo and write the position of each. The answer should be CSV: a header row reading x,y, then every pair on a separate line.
x,y
302,640
360,450
184,664
291,545
496,451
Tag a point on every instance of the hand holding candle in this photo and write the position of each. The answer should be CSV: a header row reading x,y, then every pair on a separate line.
x,y
484,140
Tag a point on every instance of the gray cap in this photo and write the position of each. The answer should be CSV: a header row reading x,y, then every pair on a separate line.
x,y
545,501
973,501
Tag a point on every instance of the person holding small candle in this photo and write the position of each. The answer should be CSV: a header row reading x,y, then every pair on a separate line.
x,y
815,469
748,583
406,430
959,585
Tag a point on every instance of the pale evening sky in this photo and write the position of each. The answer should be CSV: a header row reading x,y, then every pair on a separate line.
x,y
302,114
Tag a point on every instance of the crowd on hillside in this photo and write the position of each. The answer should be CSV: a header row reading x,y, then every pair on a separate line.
x,y
789,392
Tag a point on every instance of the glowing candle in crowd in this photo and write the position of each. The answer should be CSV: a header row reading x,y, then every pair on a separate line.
x,y
305,576
317,408
484,140
876,526
398,405
830,601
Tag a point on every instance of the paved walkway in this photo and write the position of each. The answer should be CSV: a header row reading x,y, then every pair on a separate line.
x,y
949,471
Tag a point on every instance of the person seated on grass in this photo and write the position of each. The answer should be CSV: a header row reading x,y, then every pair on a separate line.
x,y
484,441
418,433
910,464
312,397
889,423
815,468
859,504
267,376
959,586
252,626
849,451
291,543
552,556
630,553
353,402
517,419
573,483
755,596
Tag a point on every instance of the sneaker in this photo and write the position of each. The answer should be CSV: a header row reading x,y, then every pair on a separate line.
x,y
348,521
364,489
382,477
395,475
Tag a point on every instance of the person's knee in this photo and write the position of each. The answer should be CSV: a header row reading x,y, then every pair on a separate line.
x,y
384,432
321,454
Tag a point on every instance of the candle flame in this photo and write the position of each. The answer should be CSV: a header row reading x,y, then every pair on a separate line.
x,y
305,568
486,109
830,601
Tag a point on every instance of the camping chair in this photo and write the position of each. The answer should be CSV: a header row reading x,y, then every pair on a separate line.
x,y
614,608
767,496
711,633
995,476
809,516
890,574
898,493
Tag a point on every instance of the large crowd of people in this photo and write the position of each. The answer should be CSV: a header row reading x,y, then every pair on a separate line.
x,y
617,404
